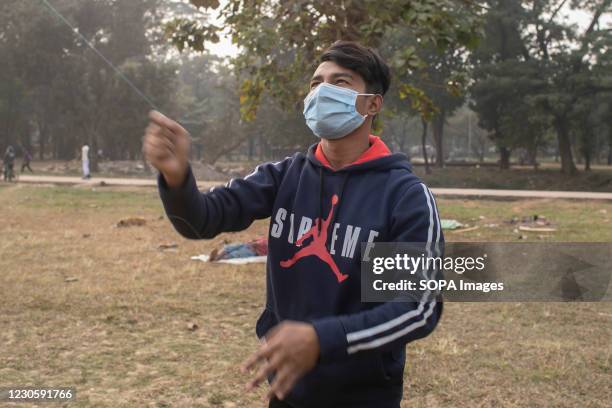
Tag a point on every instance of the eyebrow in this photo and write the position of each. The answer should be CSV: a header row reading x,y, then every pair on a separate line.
x,y
334,76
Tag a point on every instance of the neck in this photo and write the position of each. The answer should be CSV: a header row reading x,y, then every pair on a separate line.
x,y
344,151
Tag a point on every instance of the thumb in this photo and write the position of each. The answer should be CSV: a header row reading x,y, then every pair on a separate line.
x,y
163,121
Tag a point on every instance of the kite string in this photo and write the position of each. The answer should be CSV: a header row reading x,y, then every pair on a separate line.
x,y
106,60
193,229
122,76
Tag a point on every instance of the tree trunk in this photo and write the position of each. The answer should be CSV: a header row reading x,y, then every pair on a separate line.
x,y
565,147
424,146
261,147
402,138
587,161
251,148
227,150
504,158
42,141
438,135
402,144
93,154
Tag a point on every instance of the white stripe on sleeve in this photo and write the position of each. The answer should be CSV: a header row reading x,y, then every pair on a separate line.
x,y
365,333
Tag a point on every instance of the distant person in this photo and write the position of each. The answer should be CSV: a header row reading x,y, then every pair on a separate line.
x,y
85,161
27,158
321,346
9,163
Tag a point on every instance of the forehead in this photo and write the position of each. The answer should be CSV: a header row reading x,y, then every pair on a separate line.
x,y
329,69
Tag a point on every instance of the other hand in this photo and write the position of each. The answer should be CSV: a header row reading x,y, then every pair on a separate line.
x,y
289,351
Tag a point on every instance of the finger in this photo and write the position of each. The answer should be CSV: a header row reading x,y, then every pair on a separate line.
x,y
254,359
152,128
154,145
154,152
282,383
264,351
165,122
163,137
159,132
160,138
267,369
156,157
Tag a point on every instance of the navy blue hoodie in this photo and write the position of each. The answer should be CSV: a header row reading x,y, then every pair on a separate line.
x,y
319,217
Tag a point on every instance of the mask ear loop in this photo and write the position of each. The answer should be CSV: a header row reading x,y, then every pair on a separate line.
x,y
367,114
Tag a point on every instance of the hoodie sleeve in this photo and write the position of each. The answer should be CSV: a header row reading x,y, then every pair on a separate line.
x,y
391,324
233,207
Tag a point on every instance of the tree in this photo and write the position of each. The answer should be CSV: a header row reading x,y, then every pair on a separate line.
x,y
61,92
280,40
565,57
498,65
545,67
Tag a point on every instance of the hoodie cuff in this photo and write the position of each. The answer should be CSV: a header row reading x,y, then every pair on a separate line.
x,y
168,193
332,338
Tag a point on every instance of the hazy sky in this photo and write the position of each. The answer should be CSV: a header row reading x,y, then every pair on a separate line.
x,y
224,47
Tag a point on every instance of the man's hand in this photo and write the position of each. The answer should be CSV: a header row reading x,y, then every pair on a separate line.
x,y
166,146
290,350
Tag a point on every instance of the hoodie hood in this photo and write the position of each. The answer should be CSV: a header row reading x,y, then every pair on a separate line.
x,y
377,156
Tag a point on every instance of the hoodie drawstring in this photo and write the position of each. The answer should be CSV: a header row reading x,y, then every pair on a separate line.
x,y
320,200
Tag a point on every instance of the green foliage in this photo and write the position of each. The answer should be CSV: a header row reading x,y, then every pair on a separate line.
x,y
419,101
535,72
186,33
58,94
280,41
206,3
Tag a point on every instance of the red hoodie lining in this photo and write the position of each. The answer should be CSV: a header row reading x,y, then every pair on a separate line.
x,y
377,149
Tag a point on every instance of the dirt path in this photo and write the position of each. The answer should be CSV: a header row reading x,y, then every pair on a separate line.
x,y
446,192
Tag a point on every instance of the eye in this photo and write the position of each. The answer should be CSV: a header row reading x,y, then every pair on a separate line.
x,y
341,81
314,85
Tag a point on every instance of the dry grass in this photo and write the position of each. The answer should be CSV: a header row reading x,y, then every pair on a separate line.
x,y
119,333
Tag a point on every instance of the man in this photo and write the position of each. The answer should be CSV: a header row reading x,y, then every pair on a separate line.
x,y
320,345
9,163
85,161
27,159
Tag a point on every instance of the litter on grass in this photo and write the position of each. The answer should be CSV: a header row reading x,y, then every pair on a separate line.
x,y
167,247
235,261
468,229
536,229
254,251
450,224
131,222
533,223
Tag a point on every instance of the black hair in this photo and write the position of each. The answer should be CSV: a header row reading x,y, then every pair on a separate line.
x,y
364,60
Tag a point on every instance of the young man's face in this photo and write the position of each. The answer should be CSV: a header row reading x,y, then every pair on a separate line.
x,y
334,74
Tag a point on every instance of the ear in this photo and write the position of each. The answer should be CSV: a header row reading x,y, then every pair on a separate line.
x,y
375,104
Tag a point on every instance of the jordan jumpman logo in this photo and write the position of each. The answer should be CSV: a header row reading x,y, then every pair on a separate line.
x,y
317,247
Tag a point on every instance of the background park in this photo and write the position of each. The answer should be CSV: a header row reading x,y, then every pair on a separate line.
x,y
99,292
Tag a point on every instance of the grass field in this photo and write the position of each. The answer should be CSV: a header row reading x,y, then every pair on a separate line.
x,y
101,308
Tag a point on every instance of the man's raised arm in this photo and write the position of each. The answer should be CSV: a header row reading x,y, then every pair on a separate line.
x,y
198,215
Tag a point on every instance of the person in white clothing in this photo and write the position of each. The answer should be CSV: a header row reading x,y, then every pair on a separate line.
x,y
85,161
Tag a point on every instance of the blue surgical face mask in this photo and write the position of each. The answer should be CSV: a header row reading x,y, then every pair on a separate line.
x,y
330,111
